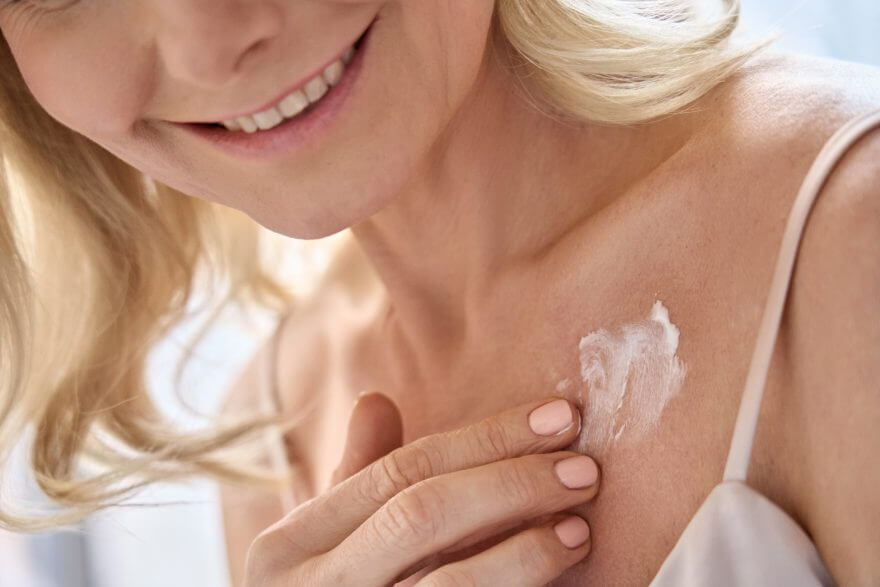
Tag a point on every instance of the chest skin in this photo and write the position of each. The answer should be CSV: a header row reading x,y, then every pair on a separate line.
x,y
714,290
702,236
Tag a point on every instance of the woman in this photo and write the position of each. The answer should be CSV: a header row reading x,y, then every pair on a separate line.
x,y
548,199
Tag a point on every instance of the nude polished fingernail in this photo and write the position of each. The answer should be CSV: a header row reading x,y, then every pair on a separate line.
x,y
577,472
551,418
572,531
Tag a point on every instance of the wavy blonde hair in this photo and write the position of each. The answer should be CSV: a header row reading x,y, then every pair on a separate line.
x,y
99,262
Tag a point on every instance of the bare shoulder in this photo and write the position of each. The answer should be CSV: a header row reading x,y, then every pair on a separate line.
x,y
819,423
790,89
762,131
832,339
780,108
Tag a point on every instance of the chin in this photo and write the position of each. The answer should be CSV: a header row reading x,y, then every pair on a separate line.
x,y
317,226
308,212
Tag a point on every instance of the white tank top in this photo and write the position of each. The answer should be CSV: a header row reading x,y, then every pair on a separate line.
x,y
738,536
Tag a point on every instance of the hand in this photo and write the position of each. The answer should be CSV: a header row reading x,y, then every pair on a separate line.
x,y
408,508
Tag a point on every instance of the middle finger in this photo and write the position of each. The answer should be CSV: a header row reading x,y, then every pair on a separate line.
x,y
438,512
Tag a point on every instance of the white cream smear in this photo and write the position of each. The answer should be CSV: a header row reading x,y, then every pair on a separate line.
x,y
630,376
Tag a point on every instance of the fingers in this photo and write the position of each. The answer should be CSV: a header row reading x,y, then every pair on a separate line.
x,y
374,430
329,518
440,511
531,558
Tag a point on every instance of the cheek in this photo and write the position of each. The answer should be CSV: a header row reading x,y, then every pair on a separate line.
x,y
93,87
454,38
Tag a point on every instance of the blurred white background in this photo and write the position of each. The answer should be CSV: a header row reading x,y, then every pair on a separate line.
x,y
182,545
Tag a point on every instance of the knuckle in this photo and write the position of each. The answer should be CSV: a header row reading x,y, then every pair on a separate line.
x,y
405,467
521,486
413,517
261,558
264,545
382,480
254,559
276,550
493,439
393,473
423,460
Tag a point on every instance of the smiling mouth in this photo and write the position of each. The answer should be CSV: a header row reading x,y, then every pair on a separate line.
x,y
298,102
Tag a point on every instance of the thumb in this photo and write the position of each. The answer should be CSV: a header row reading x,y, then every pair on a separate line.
x,y
375,429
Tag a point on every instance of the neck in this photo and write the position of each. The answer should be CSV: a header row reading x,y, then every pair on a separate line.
x,y
499,190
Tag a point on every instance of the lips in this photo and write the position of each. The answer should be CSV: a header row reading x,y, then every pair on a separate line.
x,y
356,46
293,136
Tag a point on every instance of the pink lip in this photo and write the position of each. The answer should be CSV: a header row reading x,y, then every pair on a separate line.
x,y
277,100
294,134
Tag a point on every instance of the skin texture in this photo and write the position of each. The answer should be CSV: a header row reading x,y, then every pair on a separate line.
x,y
500,237
698,236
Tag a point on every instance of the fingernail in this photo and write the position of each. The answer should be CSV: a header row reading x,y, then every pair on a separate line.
x,y
577,472
551,418
572,531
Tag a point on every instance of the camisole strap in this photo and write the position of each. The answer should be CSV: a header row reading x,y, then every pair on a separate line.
x,y
747,419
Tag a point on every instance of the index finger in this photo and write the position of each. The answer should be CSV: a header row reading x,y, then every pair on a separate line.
x,y
534,427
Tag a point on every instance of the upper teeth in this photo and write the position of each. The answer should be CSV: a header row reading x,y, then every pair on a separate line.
x,y
296,102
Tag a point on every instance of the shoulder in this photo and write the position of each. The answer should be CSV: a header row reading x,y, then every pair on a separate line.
x,y
791,88
832,338
830,334
771,121
780,108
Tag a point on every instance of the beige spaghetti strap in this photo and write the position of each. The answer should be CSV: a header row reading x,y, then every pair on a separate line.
x,y
750,406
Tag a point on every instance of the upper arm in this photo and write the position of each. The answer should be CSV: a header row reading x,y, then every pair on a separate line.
x,y
833,339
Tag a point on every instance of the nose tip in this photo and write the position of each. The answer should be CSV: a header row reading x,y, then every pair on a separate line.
x,y
208,43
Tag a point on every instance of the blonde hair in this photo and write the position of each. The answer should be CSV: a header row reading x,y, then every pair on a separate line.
x,y
620,61
99,262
